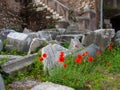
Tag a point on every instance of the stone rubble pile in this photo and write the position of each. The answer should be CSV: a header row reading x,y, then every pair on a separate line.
x,y
30,41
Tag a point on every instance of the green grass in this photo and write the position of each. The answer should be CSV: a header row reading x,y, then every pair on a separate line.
x,y
103,73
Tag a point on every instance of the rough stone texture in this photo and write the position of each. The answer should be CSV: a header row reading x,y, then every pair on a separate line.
x,y
10,57
79,5
2,87
51,86
1,45
117,38
4,32
68,37
18,41
20,63
35,44
91,49
26,30
101,38
9,16
75,44
53,52
26,84
87,21
44,35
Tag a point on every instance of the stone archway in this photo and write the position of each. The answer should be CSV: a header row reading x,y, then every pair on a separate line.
x,y
115,22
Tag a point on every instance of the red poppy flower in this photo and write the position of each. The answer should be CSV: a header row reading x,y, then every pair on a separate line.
x,y
64,65
76,46
44,55
85,53
41,59
90,59
98,52
110,47
61,59
77,60
79,56
62,54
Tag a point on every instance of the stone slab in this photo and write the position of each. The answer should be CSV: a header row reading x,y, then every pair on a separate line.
x,y
18,41
1,45
51,86
14,65
2,87
100,37
53,52
91,49
10,57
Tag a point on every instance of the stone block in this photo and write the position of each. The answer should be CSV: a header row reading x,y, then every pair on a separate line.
x,y
75,44
50,86
35,44
91,49
101,38
53,52
2,87
44,35
1,45
10,57
4,33
18,64
117,38
18,41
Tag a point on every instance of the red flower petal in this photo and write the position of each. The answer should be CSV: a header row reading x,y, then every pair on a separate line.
x,y
85,53
79,56
90,59
110,47
98,52
64,65
41,59
77,60
61,59
44,55
62,54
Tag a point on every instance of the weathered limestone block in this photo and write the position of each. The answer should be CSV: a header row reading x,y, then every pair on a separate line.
x,y
44,35
18,41
4,33
1,45
101,38
117,38
35,44
53,52
75,44
91,49
18,64
2,87
10,57
50,86
68,37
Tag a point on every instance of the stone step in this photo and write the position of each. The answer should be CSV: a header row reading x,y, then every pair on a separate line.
x,y
55,14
